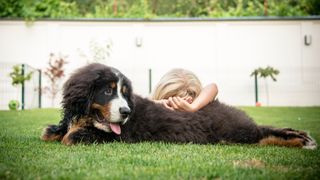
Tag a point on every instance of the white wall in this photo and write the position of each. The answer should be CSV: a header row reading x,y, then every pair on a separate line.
x,y
225,52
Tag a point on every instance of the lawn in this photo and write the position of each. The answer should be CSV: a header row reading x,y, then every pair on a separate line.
x,y
24,156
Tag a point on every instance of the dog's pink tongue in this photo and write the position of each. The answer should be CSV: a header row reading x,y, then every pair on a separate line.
x,y
115,128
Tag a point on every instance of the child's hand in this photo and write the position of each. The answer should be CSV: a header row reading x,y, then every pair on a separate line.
x,y
180,104
165,103
177,103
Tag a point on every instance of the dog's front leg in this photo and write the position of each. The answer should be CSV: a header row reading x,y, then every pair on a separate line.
x,y
85,135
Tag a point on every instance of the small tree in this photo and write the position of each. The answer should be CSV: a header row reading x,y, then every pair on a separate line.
x,y
98,51
19,77
264,73
55,72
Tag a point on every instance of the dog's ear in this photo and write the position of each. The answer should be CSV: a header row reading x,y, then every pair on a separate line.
x,y
89,101
91,92
78,93
131,96
132,103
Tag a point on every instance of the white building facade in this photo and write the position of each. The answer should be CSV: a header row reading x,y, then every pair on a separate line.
x,y
224,51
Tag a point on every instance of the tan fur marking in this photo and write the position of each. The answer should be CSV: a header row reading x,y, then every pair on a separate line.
x,y
66,140
104,110
46,137
85,121
79,124
271,140
113,85
124,89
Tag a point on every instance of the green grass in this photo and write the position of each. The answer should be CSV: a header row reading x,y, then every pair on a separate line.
x,y
24,156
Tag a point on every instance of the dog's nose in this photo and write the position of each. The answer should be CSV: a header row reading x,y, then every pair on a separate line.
x,y
125,112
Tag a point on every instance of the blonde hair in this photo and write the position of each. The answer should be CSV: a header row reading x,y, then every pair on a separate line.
x,y
177,82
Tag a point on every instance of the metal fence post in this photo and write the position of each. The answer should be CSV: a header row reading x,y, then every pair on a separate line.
x,y
22,88
256,87
40,89
150,81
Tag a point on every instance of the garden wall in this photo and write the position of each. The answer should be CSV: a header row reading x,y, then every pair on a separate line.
x,y
220,51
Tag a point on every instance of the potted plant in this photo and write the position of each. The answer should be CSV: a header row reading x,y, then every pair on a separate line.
x,y
18,77
264,73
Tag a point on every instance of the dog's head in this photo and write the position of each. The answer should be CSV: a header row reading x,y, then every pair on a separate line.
x,y
102,93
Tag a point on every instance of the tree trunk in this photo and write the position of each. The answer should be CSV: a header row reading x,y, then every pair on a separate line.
x,y
265,7
115,7
154,6
267,90
52,101
18,92
53,92
256,88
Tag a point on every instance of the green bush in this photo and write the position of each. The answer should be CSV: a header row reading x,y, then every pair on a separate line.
x,y
32,9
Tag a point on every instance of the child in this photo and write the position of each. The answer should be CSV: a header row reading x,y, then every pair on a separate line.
x,y
180,89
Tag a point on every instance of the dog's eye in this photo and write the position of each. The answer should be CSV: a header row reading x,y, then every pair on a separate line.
x,y
108,92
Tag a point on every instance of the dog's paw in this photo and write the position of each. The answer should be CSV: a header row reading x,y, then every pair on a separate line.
x,y
307,141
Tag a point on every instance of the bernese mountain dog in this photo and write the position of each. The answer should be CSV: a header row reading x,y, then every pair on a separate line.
x,y
99,106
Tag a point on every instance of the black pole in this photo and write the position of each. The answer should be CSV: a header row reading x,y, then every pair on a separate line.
x,y
150,81
40,89
22,89
256,87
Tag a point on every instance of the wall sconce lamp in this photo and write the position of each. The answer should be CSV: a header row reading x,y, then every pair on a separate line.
x,y
138,41
307,40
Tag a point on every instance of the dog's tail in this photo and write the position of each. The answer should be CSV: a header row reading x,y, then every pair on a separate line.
x,y
286,137
52,133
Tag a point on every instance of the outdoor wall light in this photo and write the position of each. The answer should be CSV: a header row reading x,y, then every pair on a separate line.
x,y
138,41
307,40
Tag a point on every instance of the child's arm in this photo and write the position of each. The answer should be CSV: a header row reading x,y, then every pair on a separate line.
x,y
207,95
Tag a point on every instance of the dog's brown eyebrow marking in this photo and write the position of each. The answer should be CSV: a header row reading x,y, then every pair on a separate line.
x,y
113,85
124,89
